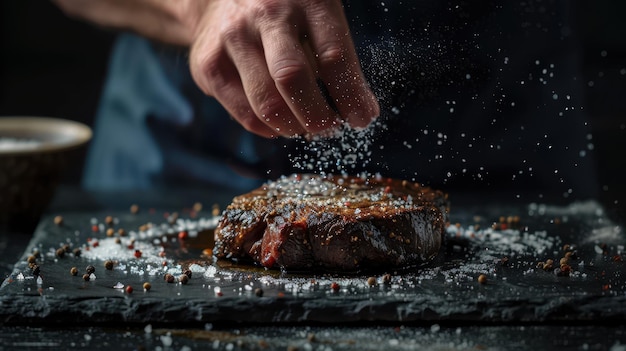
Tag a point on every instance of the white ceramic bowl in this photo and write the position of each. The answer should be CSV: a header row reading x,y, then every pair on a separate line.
x,y
33,156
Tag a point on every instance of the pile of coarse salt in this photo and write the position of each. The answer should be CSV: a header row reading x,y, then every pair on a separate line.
x,y
141,251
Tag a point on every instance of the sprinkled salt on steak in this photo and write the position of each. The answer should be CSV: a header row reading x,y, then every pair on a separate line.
x,y
339,223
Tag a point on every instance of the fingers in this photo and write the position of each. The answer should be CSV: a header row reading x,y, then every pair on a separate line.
x,y
261,90
295,78
264,65
216,75
339,67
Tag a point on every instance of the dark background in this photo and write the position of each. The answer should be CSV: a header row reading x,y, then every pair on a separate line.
x,y
54,66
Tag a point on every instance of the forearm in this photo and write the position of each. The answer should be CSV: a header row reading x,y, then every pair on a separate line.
x,y
168,21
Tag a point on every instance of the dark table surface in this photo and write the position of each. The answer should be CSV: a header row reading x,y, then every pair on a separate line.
x,y
439,306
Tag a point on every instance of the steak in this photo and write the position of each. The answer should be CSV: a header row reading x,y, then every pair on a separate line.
x,y
336,223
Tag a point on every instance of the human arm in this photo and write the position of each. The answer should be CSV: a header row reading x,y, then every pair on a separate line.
x,y
260,59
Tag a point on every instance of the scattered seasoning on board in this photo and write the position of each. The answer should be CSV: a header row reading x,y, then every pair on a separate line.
x,y
58,220
169,278
129,289
482,279
108,264
147,286
90,269
371,281
74,271
134,209
183,279
86,277
60,253
258,292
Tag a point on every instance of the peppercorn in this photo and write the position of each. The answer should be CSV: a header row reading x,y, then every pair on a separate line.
x,y
118,240
36,253
334,286
90,269
31,259
371,281
563,260
108,264
58,220
110,232
183,279
548,265
188,273
387,278
134,209
482,279
36,270
197,207
169,278
183,235
138,253
108,220
74,271
77,252
215,211
258,292
60,252
129,289
147,286
67,248
121,232
86,277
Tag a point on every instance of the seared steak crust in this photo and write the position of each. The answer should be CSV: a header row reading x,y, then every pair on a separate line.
x,y
339,223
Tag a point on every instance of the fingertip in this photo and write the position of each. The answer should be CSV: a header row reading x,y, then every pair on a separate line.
x,y
364,114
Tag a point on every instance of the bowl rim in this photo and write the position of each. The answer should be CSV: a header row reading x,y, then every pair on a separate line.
x,y
78,133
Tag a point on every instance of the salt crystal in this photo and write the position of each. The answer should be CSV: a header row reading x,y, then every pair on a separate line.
x,y
87,337
118,286
20,276
148,329
166,339
39,281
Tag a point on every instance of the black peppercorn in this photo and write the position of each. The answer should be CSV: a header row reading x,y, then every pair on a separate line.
x,y
60,253
258,292
36,270
86,277
108,264
187,272
77,252
90,269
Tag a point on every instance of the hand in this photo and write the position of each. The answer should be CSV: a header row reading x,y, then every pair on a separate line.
x,y
261,59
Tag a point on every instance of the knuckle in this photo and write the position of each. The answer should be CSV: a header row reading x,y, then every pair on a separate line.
x,y
271,10
235,31
287,71
330,53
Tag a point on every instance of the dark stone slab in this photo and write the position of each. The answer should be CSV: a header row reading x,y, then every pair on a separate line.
x,y
445,291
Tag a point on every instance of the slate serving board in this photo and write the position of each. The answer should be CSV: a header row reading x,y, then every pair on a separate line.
x,y
482,239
